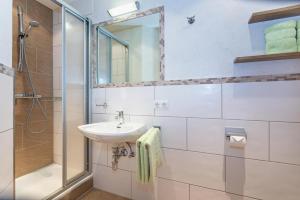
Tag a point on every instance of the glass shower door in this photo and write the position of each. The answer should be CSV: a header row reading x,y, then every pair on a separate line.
x,y
75,94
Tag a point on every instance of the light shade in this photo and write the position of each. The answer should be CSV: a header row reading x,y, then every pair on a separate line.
x,y
127,8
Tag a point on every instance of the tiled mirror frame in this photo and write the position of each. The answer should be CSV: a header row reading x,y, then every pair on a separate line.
x,y
151,11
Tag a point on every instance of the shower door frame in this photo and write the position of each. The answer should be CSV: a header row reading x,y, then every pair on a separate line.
x,y
66,184
87,143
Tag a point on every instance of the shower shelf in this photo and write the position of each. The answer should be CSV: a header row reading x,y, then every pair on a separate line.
x,y
268,57
279,13
25,96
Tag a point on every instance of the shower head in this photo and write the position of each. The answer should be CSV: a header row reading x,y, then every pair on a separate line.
x,y
32,24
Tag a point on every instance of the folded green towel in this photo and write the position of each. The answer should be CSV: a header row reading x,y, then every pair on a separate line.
x,y
148,155
281,34
282,46
298,24
282,25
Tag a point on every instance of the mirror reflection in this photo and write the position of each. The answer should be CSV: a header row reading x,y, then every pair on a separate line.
x,y
129,51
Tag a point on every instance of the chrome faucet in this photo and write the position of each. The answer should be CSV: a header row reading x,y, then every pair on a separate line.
x,y
120,117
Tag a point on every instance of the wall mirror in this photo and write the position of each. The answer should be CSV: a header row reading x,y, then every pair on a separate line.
x,y
130,49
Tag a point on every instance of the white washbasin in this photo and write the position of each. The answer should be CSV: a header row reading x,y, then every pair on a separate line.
x,y
113,132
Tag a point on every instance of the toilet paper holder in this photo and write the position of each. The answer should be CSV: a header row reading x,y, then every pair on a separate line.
x,y
235,132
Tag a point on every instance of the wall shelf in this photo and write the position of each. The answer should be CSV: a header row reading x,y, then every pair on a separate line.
x,y
279,13
269,57
262,16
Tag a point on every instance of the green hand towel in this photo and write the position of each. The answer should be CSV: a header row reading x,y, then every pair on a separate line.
x,y
282,46
148,155
281,34
140,150
154,153
282,25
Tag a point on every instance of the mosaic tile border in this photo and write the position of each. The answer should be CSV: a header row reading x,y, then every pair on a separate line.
x,y
151,11
7,70
241,79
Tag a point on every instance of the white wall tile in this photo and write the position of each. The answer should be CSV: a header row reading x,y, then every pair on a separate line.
x,y
6,33
8,192
208,135
117,182
132,100
171,190
100,153
274,101
147,120
190,100
173,131
262,179
200,193
159,189
101,117
6,155
98,98
285,142
143,191
6,103
194,168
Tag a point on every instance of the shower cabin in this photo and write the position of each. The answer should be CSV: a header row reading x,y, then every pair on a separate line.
x,y
50,56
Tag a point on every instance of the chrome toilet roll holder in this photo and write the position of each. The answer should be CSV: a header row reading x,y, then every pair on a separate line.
x,y
235,132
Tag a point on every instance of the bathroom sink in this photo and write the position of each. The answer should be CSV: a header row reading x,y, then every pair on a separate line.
x,y
113,132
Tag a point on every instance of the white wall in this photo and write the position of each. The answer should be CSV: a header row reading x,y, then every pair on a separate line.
x,y
208,47
6,103
6,33
198,163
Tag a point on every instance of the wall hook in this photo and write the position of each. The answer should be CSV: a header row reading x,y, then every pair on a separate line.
x,y
191,20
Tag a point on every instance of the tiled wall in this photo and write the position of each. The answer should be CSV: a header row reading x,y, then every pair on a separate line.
x,y
6,103
198,162
6,136
34,150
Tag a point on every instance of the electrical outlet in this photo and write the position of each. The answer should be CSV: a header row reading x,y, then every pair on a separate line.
x,y
161,103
